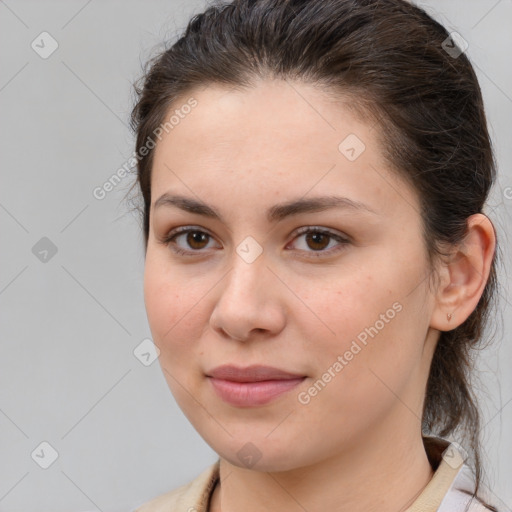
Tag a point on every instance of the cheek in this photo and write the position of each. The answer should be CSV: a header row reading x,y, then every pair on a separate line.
x,y
346,305
357,383
172,306
173,310
376,326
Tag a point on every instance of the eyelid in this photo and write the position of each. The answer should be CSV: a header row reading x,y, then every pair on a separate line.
x,y
167,239
321,229
341,239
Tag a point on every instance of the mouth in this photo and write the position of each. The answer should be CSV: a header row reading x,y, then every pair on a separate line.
x,y
251,386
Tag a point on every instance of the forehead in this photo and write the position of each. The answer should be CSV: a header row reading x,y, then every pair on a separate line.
x,y
282,138
280,113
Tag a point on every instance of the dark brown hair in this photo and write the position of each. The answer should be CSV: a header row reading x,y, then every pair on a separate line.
x,y
392,59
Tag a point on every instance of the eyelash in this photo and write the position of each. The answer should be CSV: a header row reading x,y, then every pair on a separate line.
x,y
169,240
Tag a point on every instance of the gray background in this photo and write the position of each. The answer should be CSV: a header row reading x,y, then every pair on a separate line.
x,y
70,324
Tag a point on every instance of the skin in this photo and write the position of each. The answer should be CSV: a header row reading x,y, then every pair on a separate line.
x,y
357,444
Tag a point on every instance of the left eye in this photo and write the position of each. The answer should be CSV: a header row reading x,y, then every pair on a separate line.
x,y
318,240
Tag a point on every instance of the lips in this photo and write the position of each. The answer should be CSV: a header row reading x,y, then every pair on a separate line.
x,y
252,386
255,373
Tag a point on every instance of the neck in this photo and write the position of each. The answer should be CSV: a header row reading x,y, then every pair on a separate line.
x,y
385,477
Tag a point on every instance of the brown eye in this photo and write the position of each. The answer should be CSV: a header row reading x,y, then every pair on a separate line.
x,y
317,241
197,239
187,241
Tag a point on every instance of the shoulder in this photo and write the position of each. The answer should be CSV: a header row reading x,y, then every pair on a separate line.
x,y
460,497
461,501
191,497
451,489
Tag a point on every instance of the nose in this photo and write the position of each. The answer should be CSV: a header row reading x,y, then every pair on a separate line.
x,y
250,302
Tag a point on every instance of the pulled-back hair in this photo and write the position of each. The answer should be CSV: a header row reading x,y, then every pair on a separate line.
x,y
393,61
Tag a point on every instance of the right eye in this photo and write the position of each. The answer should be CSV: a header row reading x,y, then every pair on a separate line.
x,y
194,238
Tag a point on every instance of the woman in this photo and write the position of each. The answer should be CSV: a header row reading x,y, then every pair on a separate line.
x,y
318,265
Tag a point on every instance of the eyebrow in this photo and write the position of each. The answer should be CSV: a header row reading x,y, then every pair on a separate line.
x,y
276,213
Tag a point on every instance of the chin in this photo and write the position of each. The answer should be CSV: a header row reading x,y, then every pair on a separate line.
x,y
260,454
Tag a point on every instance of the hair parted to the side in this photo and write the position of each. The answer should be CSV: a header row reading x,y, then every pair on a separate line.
x,y
387,57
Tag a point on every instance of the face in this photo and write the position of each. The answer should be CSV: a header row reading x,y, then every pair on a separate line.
x,y
336,295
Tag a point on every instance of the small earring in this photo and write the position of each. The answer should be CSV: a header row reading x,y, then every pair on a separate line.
x,y
449,316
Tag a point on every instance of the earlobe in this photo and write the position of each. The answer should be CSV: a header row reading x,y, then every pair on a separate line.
x,y
465,275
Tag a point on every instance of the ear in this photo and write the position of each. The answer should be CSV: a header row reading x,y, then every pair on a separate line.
x,y
464,275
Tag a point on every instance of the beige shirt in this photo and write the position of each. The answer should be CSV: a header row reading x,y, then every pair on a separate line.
x,y
447,491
